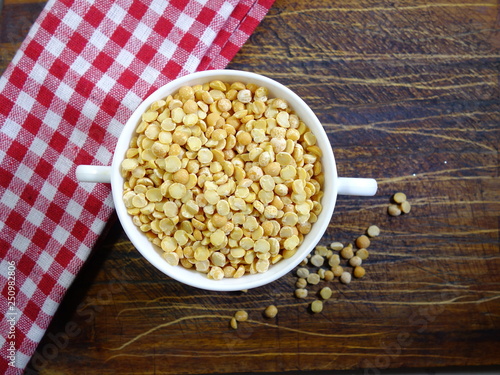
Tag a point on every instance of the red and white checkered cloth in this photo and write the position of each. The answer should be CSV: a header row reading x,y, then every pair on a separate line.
x,y
82,70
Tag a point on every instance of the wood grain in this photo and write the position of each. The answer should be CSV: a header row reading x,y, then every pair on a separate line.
x,y
16,19
408,93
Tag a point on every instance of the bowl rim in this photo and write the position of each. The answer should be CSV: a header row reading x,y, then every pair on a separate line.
x,y
192,277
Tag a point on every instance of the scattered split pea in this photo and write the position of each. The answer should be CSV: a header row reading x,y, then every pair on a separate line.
x,y
355,261
359,272
362,242
399,197
345,278
301,293
337,246
317,260
347,252
400,205
233,323
373,231
301,283
405,207
313,278
317,306
394,210
303,272
332,257
362,254
241,316
271,311
325,293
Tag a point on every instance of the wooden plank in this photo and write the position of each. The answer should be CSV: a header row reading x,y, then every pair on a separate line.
x,y
408,94
16,20
7,52
17,2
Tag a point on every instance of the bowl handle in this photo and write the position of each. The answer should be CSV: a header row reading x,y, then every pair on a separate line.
x,y
93,173
357,186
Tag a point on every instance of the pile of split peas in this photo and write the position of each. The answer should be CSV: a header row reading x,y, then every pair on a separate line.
x,y
224,179
228,181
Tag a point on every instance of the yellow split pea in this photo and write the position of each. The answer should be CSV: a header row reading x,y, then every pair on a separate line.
x,y
224,179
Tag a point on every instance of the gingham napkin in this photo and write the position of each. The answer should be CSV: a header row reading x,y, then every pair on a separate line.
x,y
82,70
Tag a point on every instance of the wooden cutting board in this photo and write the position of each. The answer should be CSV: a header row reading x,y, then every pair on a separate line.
x,y
408,93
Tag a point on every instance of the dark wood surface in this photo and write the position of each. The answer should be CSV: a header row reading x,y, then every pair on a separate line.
x,y
408,92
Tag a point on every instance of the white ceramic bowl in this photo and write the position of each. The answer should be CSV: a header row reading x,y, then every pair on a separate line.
x,y
333,184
